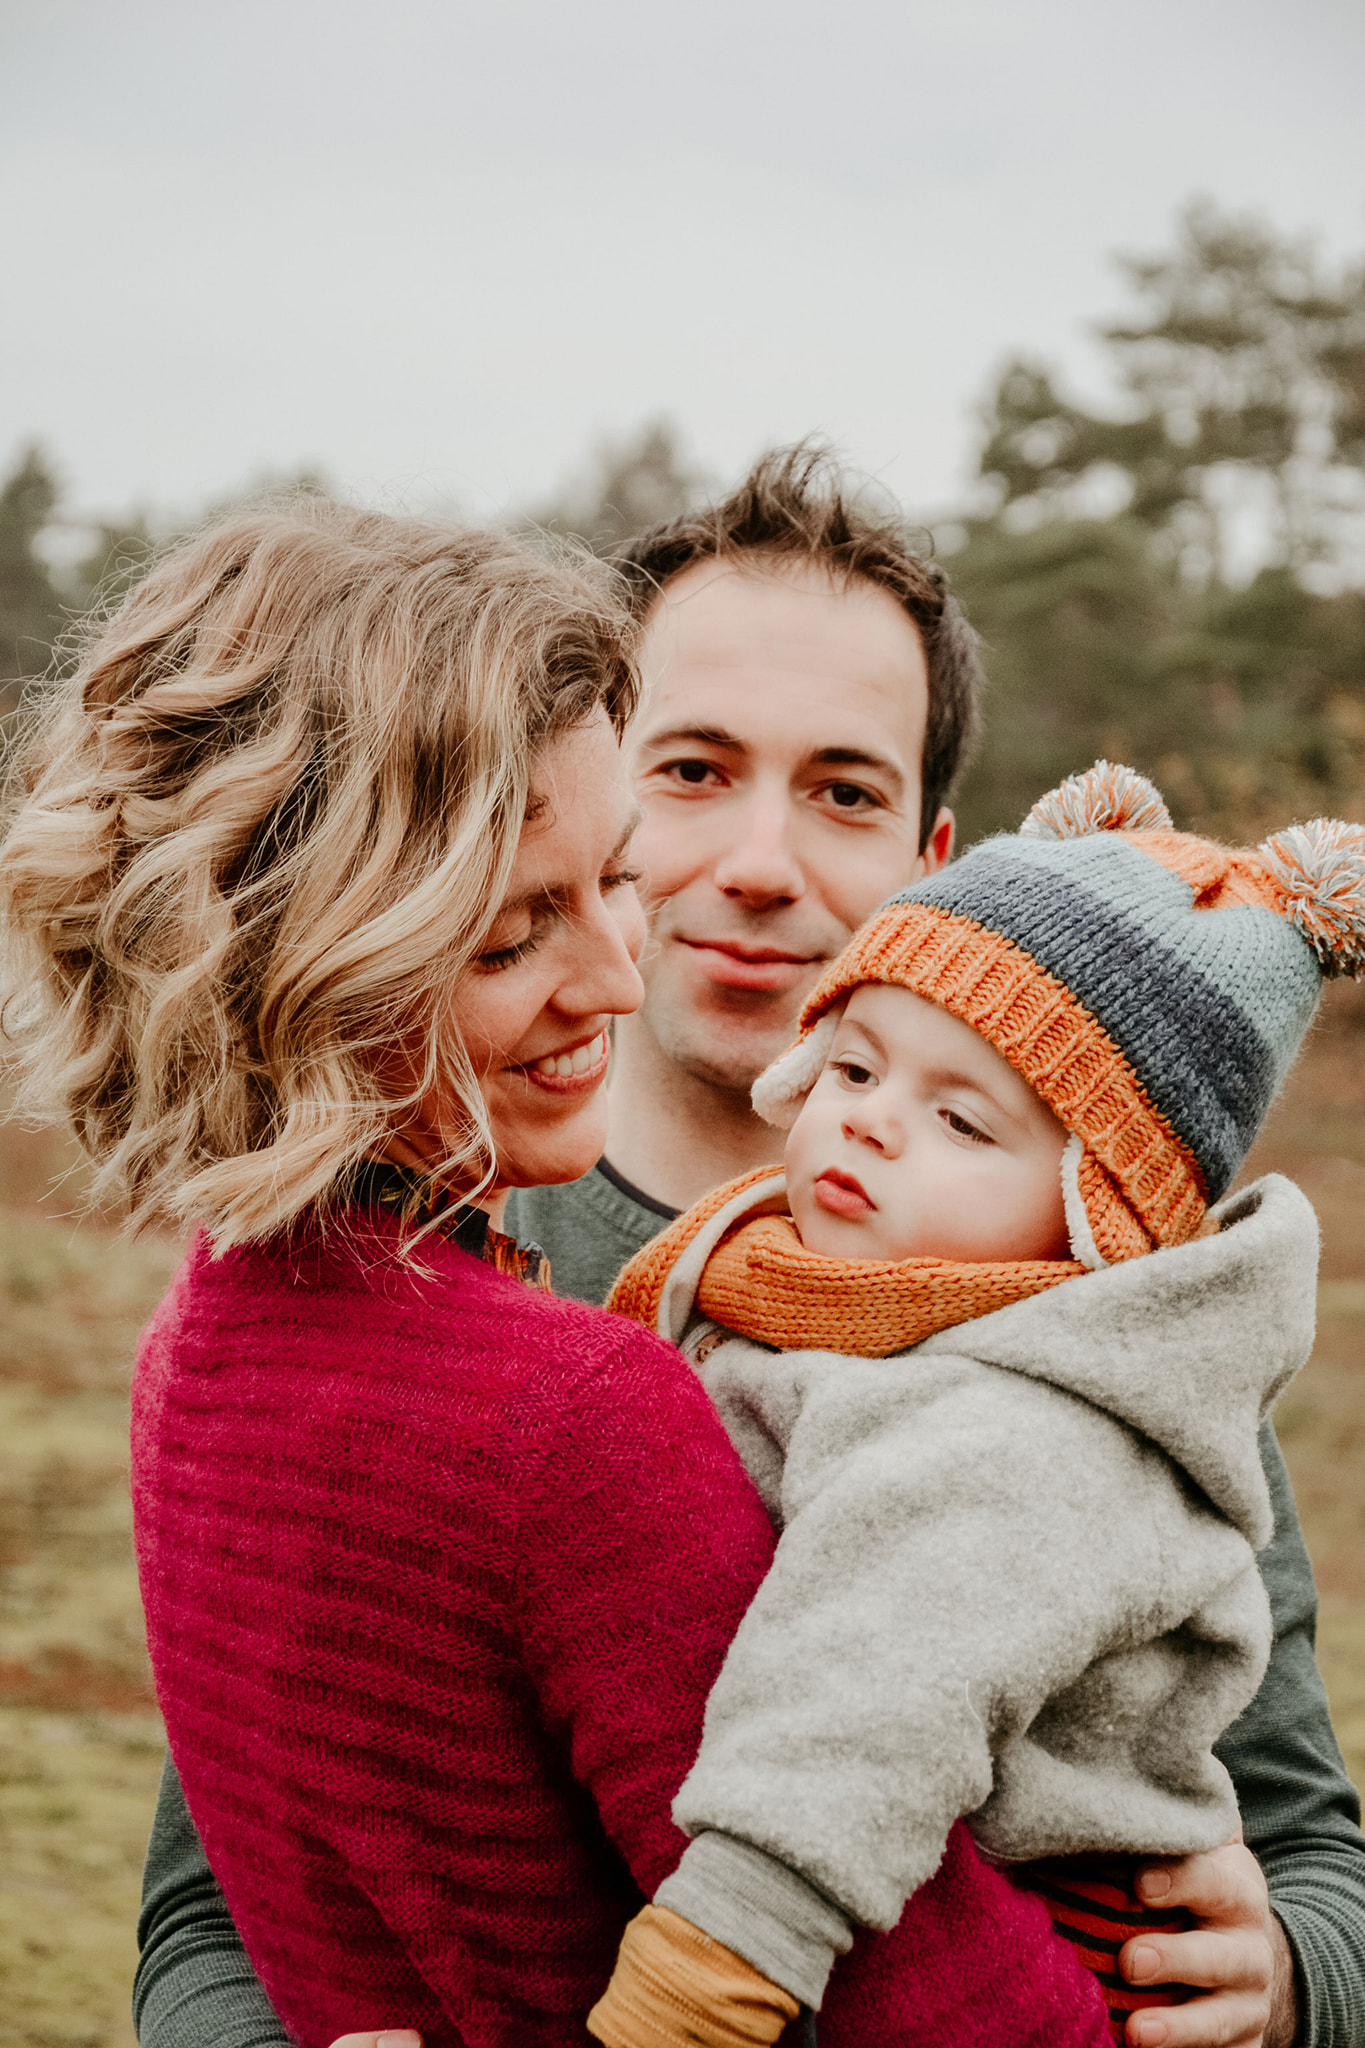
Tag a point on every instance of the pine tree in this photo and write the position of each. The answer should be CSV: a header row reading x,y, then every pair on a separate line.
x,y
31,608
630,486
1112,577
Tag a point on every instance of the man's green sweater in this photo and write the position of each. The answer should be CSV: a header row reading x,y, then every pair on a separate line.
x,y
195,1987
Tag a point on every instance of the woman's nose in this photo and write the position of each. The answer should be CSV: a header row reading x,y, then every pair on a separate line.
x,y
603,979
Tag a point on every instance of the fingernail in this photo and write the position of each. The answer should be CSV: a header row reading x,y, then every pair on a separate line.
x,y
1143,1963
401,2037
1147,2033
1154,1884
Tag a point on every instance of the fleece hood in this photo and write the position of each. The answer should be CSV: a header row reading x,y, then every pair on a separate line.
x,y
1190,1346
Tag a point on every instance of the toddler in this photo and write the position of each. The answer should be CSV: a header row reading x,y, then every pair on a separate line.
x,y
1014,1457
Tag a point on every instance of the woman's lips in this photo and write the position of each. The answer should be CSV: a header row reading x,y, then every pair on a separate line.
x,y
841,1194
756,967
576,1071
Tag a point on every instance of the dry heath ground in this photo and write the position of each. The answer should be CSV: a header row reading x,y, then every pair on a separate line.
x,y
80,1743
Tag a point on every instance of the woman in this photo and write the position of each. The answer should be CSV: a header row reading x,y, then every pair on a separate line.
x,y
319,899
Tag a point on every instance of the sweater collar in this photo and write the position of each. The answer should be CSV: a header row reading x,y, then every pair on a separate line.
x,y
380,1183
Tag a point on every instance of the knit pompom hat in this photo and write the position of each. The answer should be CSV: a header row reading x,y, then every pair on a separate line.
x,y
1150,986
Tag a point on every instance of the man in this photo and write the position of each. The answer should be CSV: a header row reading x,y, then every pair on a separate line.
x,y
811,695
811,692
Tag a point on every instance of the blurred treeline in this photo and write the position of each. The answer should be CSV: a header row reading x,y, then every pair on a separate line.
x,y
1175,578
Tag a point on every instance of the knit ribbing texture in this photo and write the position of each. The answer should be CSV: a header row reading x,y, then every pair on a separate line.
x,y
761,1282
438,1573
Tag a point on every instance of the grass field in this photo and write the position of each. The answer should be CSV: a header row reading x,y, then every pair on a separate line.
x,y
80,1744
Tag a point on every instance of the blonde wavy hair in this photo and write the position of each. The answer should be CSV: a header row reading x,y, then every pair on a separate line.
x,y
260,831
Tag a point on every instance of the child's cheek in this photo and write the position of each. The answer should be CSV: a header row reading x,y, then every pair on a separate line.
x,y
800,1153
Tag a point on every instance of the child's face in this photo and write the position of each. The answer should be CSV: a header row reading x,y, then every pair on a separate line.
x,y
920,1141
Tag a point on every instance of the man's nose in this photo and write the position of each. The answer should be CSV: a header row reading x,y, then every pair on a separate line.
x,y
760,865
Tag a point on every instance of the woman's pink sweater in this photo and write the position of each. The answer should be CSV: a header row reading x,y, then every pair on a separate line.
x,y
438,1573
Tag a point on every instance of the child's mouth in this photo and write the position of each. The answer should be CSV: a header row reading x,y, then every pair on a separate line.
x,y
841,1194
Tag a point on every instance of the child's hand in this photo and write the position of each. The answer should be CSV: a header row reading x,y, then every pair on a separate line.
x,y
673,1987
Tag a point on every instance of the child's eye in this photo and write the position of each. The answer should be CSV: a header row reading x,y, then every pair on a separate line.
x,y
960,1128
855,1074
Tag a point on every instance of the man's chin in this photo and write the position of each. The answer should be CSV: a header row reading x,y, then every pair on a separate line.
x,y
722,1054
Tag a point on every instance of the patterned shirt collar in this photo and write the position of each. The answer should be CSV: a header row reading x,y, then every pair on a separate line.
x,y
380,1182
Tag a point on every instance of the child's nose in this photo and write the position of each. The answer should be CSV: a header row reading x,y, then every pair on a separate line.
x,y
870,1127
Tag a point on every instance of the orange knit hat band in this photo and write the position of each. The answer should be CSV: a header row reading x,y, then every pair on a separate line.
x,y
1139,1181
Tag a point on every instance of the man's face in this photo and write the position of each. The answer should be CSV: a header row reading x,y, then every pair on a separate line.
x,y
777,759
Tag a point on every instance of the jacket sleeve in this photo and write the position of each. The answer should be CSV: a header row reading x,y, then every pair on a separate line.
x,y
1300,1811
952,1560
194,1986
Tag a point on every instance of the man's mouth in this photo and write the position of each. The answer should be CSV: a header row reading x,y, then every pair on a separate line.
x,y
736,964
841,1194
574,1070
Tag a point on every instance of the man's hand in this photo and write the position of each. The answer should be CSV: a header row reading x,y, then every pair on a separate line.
x,y
1237,1951
393,2037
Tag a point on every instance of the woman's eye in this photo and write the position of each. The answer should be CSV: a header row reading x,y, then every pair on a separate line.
x,y
962,1129
621,878
499,957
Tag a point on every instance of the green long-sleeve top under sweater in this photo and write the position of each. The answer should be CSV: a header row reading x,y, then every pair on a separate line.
x,y
195,1987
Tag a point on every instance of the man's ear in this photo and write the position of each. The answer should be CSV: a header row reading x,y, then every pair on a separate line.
x,y
938,847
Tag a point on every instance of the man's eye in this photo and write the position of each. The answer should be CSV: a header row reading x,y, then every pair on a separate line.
x,y
851,796
692,772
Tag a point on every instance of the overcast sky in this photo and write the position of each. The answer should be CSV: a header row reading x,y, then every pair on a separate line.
x,y
437,248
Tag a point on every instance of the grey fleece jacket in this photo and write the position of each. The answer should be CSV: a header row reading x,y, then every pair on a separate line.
x,y
1017,1581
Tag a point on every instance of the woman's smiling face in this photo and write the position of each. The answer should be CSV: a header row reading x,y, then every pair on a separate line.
x,y
533,1009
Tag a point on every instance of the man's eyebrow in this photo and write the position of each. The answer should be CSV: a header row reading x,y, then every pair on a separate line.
x,y
823,757
859,757
699,735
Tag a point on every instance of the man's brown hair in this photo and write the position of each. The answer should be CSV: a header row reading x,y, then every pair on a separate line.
x,y
796,502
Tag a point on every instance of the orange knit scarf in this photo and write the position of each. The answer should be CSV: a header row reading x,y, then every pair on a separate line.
x,y
762,1283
